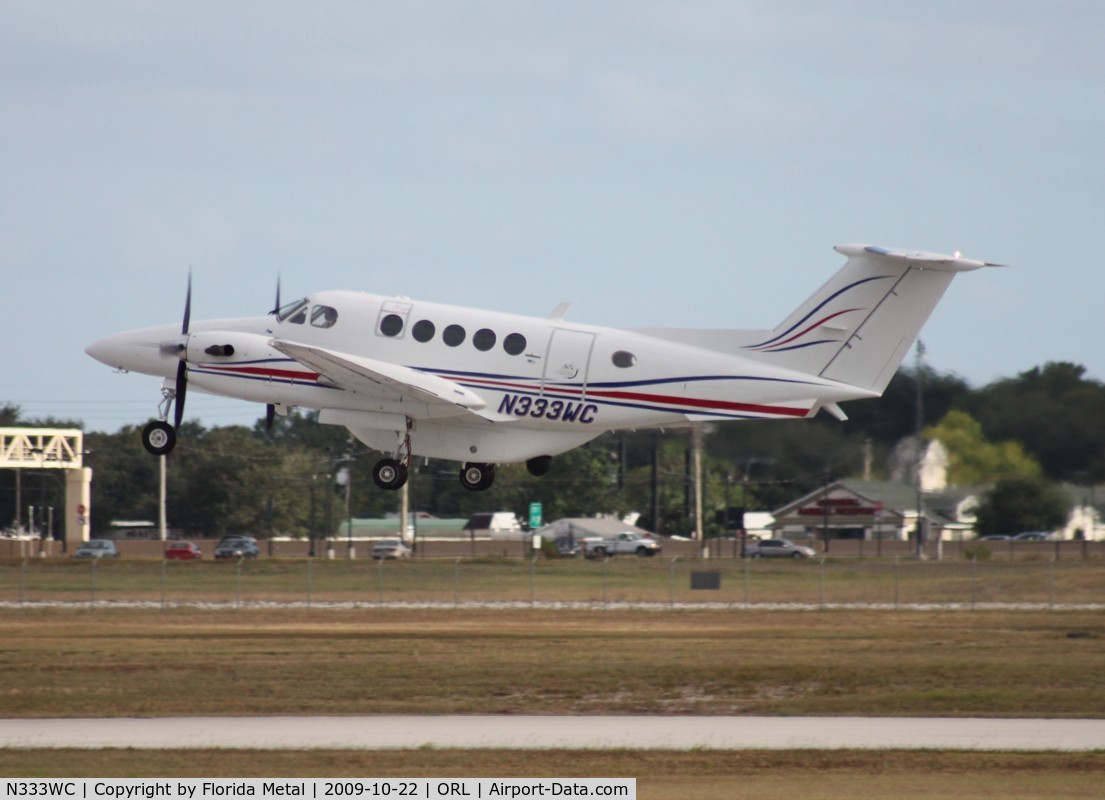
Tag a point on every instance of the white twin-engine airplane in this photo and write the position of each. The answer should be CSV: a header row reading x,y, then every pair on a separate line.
x,y
479,387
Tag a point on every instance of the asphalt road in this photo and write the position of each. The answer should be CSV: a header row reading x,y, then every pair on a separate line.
x,y
552,732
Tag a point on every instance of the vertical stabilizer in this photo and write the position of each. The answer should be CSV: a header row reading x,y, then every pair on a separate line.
x,y
857,328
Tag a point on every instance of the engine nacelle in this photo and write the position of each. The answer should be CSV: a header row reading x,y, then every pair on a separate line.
x,y
216,347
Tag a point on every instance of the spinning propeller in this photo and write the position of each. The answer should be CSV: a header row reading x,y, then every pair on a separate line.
x,y
182,367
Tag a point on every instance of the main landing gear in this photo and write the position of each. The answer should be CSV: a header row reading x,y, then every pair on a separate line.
x,y
477,477
392,473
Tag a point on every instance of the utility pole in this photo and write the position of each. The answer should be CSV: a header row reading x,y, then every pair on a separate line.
x,y
920,548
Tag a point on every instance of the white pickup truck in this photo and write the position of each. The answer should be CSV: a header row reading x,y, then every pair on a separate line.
x,y
620,544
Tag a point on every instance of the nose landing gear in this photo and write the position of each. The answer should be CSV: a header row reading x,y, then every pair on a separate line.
x,y
159,437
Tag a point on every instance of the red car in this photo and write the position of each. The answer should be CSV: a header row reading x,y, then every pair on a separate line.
x,y
184,551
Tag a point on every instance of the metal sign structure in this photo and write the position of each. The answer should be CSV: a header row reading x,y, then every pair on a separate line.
x,y
53,448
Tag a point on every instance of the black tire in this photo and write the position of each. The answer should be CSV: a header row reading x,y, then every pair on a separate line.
x,y
159,438
389,474
644,552
477,477
796,556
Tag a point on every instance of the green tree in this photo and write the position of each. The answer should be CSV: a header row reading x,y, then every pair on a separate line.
x,y
1022,504
10,415
893,416
972,459
1055,412
124,478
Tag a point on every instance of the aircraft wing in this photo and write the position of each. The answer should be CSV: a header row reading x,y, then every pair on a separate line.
x,y
370,376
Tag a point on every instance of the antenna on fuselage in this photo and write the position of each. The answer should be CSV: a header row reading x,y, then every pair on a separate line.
x,y
560,311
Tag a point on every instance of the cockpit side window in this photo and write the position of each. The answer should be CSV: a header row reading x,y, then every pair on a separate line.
x,y
287,311
324,316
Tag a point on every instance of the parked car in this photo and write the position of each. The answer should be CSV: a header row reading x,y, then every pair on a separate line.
x,y
995,537
183,551
390,548
236,547
1032,536
777,548
97,548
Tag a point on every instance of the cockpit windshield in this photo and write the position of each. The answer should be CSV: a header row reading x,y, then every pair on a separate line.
x,y
289,310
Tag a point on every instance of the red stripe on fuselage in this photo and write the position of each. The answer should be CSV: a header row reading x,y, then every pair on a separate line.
x,y
640,397
262,372
701,403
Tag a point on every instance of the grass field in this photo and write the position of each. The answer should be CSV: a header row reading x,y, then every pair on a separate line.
x,y
898,583
697,775
86,660
362,661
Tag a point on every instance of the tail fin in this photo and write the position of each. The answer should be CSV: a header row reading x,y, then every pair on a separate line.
x,y
857,328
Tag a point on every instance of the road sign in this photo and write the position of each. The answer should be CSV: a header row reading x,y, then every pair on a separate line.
x,y
535,515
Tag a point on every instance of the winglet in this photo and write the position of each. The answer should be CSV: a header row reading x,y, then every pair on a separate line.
x,y
952,263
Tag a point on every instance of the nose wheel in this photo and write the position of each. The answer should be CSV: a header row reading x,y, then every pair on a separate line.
x,y
159,438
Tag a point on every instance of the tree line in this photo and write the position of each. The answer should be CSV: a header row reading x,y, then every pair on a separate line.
x,y
1020,438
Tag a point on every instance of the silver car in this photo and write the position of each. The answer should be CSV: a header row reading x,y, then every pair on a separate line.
x,y
778,548
390,548
97,548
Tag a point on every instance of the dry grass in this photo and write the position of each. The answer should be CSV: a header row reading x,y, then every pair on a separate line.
x,y
369,661
118,662
698,775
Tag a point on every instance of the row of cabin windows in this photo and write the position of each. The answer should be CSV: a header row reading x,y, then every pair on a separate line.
x,y
484,339
453,335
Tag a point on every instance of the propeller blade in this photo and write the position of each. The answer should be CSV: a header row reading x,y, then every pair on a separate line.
x,y
276,307
181,391
187,306
182,367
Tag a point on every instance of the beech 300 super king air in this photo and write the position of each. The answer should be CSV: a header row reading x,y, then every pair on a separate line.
x,y
416,378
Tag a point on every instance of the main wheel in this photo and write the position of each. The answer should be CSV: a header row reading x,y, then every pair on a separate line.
x,y
389,474
159,438
477,477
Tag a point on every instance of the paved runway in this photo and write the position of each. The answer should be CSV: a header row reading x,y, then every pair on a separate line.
x,y
553,732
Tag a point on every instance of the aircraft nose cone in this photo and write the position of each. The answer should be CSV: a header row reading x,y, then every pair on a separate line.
x,y
106,351
137,351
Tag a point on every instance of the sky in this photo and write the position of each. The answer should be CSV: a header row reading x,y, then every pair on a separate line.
x,y
676,164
